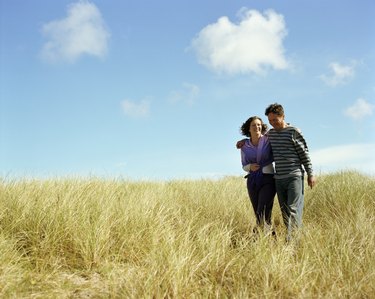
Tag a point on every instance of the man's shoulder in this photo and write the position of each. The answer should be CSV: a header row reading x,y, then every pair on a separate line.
x,y
293,128
288,128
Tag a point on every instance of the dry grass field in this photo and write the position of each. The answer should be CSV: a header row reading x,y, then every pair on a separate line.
x,y
101,238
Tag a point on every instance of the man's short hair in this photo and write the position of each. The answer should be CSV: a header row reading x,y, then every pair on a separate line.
x,y
275,108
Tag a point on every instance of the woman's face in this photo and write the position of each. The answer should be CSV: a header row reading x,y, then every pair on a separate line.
x,y
256,127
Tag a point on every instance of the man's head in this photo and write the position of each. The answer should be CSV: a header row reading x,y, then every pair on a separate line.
x,y
275,114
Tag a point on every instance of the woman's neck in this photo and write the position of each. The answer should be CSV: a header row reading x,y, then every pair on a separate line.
x,y
255,139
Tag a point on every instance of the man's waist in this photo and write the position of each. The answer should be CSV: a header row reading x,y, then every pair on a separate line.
x,y
290,173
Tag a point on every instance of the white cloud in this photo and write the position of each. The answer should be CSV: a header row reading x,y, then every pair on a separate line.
x,y
252,45
343,157
136,110
82,32
340,74
188,94
360,109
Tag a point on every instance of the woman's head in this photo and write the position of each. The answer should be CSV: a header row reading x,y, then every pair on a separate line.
x,y
254,122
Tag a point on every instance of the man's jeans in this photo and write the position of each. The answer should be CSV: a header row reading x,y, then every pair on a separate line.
x,y
290,192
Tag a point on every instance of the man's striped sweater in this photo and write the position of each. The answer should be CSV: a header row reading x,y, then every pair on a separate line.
x,y
290,152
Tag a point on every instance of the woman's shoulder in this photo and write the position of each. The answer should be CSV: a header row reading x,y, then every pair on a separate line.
x,y
247,143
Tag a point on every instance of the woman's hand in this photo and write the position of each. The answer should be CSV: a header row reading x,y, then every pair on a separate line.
x,y
254,167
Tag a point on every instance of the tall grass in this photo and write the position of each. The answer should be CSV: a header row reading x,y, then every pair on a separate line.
x,y
94,238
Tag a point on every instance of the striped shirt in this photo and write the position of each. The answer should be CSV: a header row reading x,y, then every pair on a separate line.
x,y
290,152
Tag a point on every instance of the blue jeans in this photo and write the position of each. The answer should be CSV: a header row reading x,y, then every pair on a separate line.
x,y
290,193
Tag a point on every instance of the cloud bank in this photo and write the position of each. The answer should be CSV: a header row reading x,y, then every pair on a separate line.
x,y
358,157
254,44
82,32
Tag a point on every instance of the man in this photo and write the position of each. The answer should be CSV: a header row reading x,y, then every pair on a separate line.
x,y
292,158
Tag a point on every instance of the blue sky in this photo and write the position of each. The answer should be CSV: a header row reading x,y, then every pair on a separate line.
x,y
158,89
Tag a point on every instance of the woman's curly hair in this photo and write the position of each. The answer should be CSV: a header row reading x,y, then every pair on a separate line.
x,y
245,128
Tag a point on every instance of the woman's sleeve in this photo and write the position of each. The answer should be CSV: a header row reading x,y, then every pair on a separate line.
x,y
245,164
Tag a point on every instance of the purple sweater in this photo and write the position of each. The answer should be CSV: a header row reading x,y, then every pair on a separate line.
x,y
261,154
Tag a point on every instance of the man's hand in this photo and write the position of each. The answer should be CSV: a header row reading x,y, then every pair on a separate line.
x,y
240,143
311,181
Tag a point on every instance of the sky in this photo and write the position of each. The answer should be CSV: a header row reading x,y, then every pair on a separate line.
x,y
157,90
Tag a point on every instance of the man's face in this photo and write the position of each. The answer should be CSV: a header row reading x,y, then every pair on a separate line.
x,y
276,121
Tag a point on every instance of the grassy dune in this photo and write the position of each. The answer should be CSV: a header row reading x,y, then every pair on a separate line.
x,y
94,238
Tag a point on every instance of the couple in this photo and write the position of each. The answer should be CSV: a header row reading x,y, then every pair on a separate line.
x,y
286,147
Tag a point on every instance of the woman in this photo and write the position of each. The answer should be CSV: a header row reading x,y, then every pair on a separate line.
x,y
257,158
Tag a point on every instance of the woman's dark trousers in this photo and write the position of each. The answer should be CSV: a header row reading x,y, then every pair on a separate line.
x,y
262,196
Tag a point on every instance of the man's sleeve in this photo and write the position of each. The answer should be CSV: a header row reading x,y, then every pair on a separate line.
x,y
303,152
